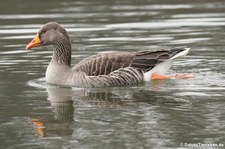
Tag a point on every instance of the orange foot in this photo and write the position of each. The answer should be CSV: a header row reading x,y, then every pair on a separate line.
x,y
156,76
39,125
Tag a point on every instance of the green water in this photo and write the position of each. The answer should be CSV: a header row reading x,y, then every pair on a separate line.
x,y
157,114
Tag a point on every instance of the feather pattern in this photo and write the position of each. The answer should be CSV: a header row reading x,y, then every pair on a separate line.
x,y
122,76
104,64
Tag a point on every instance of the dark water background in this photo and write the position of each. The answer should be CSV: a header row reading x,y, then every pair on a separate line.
x,y
158,114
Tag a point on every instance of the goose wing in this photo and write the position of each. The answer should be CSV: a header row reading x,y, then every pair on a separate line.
x,y
104,64
147,60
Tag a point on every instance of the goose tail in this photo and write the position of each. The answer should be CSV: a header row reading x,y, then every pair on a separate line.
x,y
179,52
162,67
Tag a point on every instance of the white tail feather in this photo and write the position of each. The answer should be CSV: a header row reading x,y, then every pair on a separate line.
x,y
163,67
183,53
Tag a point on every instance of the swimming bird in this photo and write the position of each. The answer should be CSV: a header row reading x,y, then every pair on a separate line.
x,y
101,70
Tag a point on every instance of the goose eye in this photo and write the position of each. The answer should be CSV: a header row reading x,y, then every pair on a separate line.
x,y
44,31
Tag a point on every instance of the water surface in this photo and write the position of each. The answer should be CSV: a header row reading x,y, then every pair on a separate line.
x,y
157,114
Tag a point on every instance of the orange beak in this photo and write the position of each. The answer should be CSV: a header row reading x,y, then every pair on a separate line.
x,y
34,43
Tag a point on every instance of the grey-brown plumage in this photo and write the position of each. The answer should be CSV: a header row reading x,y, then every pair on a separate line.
x,y
109,69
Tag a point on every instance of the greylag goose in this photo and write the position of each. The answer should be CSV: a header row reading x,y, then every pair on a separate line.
x,y
101,70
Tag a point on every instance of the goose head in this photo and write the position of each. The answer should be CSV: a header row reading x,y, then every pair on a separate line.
x,y
50,34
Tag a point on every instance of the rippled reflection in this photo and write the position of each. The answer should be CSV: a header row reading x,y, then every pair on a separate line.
x,y
62,103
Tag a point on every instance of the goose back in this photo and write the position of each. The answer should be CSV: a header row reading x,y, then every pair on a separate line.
x,y
104,64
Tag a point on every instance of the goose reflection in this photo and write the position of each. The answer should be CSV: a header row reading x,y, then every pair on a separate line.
x,y
61,102
108,98
62,106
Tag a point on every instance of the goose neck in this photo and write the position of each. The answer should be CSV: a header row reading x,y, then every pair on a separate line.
x,y
62,51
